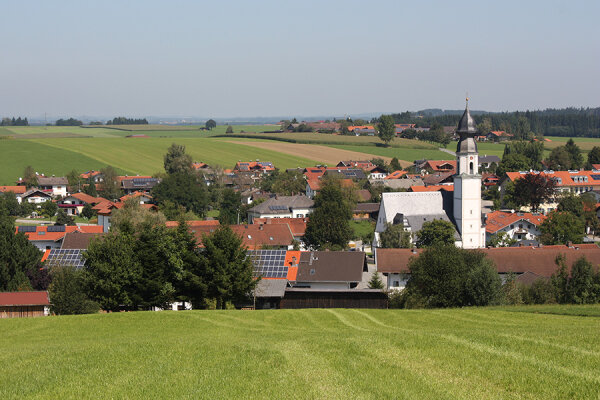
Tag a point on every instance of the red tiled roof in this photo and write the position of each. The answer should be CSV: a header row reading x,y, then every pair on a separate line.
x,y
396,175
133,195
254,236
126,178
41,232
353,127
14,189
24,299
441,165
199,165
432,188
194,224
500,133
86,198
297,225
497,220
87,175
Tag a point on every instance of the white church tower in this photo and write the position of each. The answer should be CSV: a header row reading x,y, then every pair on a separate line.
x,y
467,186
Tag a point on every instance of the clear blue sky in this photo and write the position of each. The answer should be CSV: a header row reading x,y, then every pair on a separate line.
x,y
267,58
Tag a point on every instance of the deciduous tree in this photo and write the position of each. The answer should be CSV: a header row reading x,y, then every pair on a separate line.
x,y
386,130
436,232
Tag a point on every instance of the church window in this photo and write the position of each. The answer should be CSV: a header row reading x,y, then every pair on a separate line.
x,y
471,168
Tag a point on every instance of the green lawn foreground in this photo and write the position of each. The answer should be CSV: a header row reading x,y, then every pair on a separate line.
x,y
477,353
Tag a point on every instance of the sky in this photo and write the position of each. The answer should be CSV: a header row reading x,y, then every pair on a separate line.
x,y
295,58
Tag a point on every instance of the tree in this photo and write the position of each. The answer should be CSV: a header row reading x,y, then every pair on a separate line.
x,y
177,161
395,165
561,228
375,282
485,126
68,292
230,207
329,223
87,211
111,189
30,176
501,239
49,208
534,189
210,124
571,203
582,288
113,271
386,130
559,159
512,162
10,204
229,129
192,286
90,189
436,232
593,157
17,257
74,179
132,217
285,183
185,190
395,237
448,276
227,271
574,154
63,219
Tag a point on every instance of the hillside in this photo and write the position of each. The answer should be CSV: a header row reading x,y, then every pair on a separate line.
x,y
462,353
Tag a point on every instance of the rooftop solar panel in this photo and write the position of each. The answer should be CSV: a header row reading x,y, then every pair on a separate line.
x,y
56,228
26,228
65,257
595,177
268,263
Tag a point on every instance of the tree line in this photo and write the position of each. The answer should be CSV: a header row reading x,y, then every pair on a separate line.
x,y
584,122
14,122
127,121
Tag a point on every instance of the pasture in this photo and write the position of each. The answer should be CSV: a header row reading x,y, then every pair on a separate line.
x,y
470,353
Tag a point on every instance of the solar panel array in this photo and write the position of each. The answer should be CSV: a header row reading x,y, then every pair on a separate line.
x,y
595,177
64,257
26,228
269,263
143,181
56,228
275,208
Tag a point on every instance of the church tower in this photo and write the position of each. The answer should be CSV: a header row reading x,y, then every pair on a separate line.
x,y
467,185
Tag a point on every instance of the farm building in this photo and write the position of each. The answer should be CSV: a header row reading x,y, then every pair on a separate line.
x,y
24,304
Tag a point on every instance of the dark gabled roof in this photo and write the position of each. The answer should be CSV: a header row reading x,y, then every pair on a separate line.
x,y
282,204
140,183
351,173
78,240
52,181
366,207
271,288
331,266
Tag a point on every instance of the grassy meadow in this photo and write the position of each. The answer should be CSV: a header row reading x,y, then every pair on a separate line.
x,y
471,353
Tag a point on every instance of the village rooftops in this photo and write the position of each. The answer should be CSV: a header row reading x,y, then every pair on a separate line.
x,y
254,237
563,178
432,188
498,220
54,232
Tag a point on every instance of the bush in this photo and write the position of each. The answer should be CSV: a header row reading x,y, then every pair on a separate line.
x,y
539,292
67,292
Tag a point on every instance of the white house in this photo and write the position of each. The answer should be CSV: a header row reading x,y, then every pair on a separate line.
x,y
517,226
74,203
298,206
57,186
35,196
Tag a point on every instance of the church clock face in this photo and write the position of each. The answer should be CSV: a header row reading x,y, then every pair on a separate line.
x,y
470,158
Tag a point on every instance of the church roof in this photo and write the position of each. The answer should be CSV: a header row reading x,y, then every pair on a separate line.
x,y
467,123
467,129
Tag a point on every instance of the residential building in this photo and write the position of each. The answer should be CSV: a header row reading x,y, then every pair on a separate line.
x,y
73,204
326,270
46,237
35,196
498,136
254,166
17,190
55,186
448,166
486,161
130,184
517,226
297,225
298,206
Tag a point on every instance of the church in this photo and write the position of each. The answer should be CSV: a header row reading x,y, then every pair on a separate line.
x,y
461,207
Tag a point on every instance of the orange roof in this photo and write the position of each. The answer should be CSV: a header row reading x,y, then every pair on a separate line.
x,y
194,224
198,165
89,174
563,178
396,175
14,189
297,225
41,232
500,133
133,195
292,268
596,166
432,188
353,127
441,165
104,207
86,198
500,219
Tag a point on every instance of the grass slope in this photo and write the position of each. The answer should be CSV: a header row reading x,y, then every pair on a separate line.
x,y
145,155
399,152
17,154
302,354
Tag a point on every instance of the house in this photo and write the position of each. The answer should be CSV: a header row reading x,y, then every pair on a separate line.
x,y
17,190
498,136
486,161
263,236
525,262
55,186
79,240
412,210
95,176
298,206
396,175
35,196
262,167
314,185
432,188
362,130
326,270
400,184
448,166
104,212
73,204
518,226
489,179
46,237
24,304
439,178
130,184
365,211
346,173
376,172
574,181
402,127
364,164
141,197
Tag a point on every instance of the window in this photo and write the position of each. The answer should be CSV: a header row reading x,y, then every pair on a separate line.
x,y
396,284
471,168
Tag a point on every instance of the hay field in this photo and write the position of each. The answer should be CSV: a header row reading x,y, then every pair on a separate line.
x,y
470,353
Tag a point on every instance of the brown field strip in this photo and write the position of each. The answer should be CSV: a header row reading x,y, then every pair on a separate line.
x,y
326,155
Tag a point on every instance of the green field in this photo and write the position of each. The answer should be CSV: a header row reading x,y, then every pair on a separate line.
x,y
471,353
399,152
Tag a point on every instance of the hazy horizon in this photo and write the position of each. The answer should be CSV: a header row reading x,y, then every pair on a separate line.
x,y
249,59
